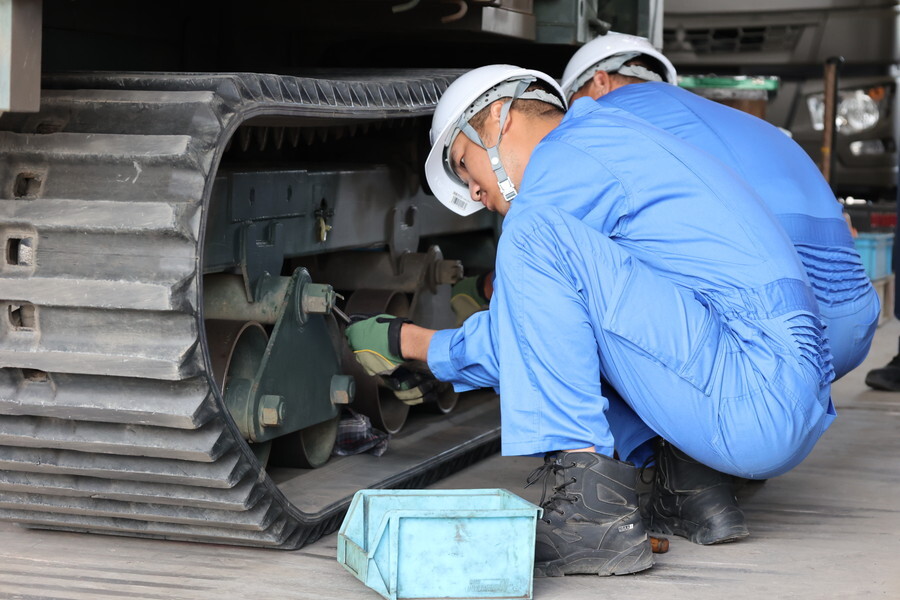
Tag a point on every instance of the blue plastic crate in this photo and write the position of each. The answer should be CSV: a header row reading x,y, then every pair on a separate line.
x,y
875,250
440,543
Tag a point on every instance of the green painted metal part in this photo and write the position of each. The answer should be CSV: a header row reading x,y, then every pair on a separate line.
x,y
738,82
242,371
286,384
738,87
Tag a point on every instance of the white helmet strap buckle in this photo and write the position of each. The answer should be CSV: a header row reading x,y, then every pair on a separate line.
x,y
507,187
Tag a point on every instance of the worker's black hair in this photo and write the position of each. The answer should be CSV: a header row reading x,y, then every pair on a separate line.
x,y
648,62
531,108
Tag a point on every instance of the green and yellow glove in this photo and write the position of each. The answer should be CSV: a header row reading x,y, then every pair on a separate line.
x,y
375,342
412,387
467,298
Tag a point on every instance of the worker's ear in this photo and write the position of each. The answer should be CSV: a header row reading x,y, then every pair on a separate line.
x,y
496,109
510,117
600,85
492,125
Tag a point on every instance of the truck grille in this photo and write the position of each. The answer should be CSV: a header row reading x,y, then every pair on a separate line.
x,y
730,40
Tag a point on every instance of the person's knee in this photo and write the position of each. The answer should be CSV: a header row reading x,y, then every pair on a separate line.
x,y
767,436
768,454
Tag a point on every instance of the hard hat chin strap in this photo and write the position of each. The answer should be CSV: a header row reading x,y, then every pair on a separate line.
x,y
507,187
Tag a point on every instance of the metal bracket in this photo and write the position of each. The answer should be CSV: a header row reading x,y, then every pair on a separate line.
x,y
299,363
290,380
403,233
261,254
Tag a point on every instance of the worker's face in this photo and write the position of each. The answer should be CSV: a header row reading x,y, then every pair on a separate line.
x,y
472,165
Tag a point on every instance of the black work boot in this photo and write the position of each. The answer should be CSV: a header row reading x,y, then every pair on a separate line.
x,y
591,523
887,378
692,500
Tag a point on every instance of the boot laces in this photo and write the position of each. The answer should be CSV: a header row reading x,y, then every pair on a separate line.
x,y
646,465
543,473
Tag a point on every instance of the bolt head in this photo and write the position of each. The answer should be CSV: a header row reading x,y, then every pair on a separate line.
x,y
271,410
343,388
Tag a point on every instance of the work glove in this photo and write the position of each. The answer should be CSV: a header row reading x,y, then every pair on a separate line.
x,y
375,341
412,387
467,298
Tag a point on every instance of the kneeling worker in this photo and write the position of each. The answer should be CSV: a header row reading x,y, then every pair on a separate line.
x,y
779,171
627,72
635,274
608,68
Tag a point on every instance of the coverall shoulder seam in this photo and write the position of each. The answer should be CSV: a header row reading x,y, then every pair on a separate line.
x,y
627,193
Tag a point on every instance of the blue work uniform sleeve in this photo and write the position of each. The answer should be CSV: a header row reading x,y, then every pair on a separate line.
x,y
466,357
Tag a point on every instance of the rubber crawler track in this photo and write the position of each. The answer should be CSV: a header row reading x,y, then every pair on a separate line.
x,y
107,186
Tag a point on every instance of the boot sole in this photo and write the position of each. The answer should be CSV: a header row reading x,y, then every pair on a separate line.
x,y
634,560
720,529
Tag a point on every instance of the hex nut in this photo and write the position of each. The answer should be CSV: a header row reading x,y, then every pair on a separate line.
x,y
317,298
271,410
343,388
448,271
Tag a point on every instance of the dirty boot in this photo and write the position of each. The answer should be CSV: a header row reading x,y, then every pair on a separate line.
x,y
886,378
692,500
591,523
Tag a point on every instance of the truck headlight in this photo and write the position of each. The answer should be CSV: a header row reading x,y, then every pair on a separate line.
x,y
857,110
867,147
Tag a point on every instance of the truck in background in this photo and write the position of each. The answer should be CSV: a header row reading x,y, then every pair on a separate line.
x,y
792,39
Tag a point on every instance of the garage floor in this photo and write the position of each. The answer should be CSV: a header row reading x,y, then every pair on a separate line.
x,y
828,529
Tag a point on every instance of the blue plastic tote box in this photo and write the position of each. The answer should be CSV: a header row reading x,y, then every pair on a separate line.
x,y
440,543
875,250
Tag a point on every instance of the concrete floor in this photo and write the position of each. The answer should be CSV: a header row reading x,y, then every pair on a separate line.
x,y
828,529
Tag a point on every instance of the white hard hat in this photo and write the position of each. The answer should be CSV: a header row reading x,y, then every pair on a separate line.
x,y
608,53
464,99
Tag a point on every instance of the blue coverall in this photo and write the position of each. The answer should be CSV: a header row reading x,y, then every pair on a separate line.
x,y
790,184
642,287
